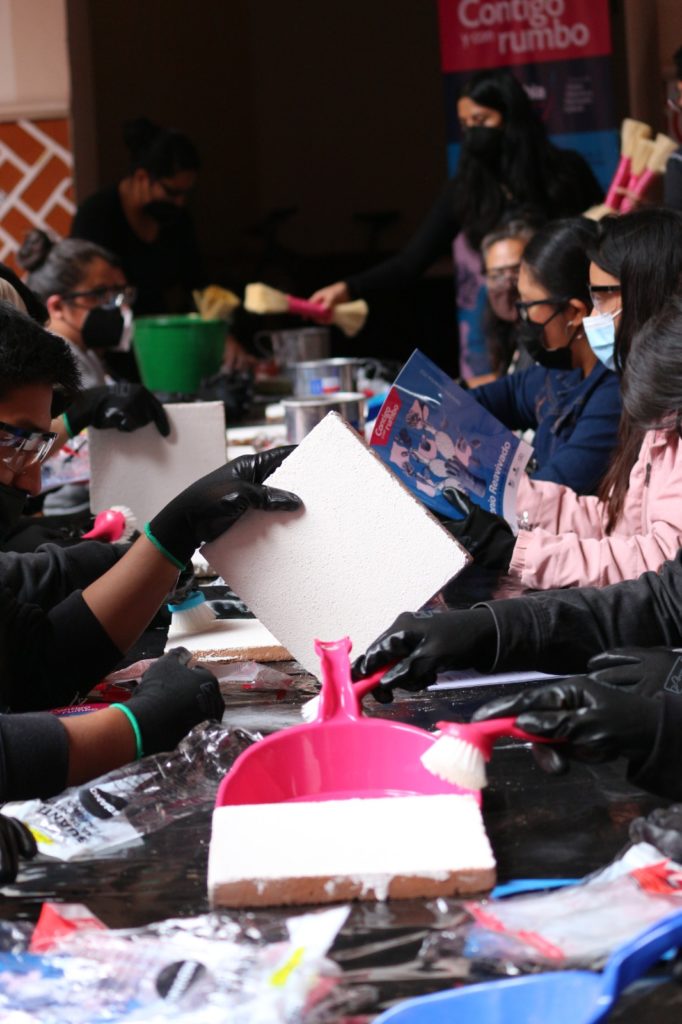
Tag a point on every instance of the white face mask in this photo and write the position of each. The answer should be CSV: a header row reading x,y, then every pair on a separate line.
x,y
601,335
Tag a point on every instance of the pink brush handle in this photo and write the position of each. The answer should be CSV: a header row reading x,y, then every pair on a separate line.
x,y
482,735
643,182
613,196
303,307
109,526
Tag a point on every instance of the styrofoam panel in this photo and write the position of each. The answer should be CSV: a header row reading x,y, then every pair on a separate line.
x,y
227,640
144,470
361,551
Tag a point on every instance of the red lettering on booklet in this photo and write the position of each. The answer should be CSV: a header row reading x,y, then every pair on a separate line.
x,y
659,879
386,419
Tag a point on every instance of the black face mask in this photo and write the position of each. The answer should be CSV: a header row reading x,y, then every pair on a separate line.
x,y
103,327
163,212
531,336
12,502
483,143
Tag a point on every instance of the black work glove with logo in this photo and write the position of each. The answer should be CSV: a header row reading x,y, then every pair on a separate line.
x,y
590,721
488,538
425,643
171,699
649,671
16,843
120,406
211,505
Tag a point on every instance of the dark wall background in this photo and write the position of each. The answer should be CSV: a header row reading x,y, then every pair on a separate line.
x,y
334,108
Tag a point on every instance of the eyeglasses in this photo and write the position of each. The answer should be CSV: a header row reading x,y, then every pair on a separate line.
x,y
509,273
20,448
600,292
523,307
106,295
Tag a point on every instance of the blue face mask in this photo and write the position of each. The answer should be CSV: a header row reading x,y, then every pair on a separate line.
x,y
601,335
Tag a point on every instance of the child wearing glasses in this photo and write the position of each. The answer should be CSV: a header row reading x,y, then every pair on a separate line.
x,y
634,521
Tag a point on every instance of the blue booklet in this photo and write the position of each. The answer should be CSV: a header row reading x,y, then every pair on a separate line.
x,y
433,434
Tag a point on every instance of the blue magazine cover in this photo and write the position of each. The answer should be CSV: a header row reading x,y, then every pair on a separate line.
x,y
433,434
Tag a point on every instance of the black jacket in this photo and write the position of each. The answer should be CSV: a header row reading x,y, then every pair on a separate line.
x,y
559,631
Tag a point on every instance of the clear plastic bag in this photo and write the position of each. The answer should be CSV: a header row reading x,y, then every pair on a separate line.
x,y
203,970
119,808
575,926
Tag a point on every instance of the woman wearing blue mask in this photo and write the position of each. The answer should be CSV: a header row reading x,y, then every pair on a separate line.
x,y
634,522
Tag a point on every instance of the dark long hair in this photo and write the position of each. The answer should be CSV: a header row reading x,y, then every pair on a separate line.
x,y
643,250
162,152
557,257
652,387
532,171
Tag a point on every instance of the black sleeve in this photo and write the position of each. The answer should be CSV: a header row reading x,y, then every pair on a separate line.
x,y
559,630
52,572
673,181
34,756
432,240
48,658
661,772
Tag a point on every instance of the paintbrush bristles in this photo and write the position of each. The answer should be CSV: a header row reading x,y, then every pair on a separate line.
x,y
640,155
663,148
130,521
631,131
456,761
350,316
260,298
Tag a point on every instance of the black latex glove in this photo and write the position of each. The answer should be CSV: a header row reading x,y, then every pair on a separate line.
x,y
121,406
172,698
488,538
595,721
426,643
662,828
211,505
646,670
15,842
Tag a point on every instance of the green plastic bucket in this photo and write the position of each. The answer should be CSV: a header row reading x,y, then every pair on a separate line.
x,y
175,353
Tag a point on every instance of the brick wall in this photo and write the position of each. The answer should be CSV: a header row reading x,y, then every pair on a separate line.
x,y
36,181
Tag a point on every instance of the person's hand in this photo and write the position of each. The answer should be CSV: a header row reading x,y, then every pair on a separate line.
x,y
487,537
662,828
235,356
331,296
121,406
592,722
425,643
16,842
171,699
645,670
211,505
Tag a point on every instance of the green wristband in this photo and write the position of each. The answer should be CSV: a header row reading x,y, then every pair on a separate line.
x,y
135,727
69,428
159,547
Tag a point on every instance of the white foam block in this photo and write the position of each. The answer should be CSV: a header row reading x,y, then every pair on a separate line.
x,y
230,640
323,851
144,470
361,551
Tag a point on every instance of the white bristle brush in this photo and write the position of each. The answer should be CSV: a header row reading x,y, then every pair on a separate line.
x,y
190,614
461,751
113,524
349,316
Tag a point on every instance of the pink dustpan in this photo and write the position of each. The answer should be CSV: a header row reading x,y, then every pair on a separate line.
x,y
340,755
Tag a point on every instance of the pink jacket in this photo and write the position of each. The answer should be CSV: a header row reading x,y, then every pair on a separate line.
x,y
567,545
